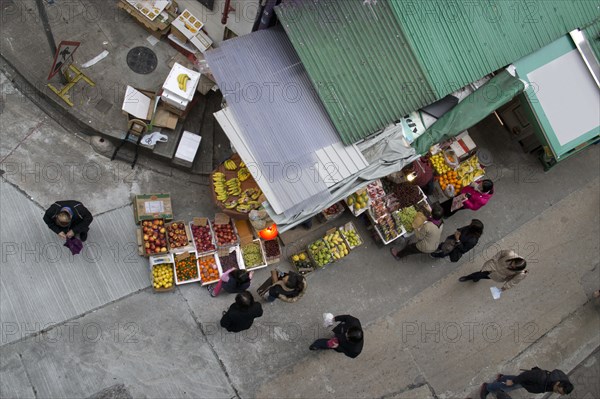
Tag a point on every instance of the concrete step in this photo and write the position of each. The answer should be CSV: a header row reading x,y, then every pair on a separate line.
x,y
204,161
167,150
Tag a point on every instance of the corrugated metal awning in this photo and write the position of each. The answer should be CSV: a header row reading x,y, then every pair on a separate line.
x,y
277,122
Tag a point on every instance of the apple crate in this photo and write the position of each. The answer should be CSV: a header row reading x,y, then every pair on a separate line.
x,y
150,240
212,238
181,230
180,258
276,251
157,260
332,212
263,262
347,228
313,257
205,278
236,236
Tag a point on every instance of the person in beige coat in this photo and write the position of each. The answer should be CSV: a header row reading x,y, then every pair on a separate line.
x,y
505,267
427,234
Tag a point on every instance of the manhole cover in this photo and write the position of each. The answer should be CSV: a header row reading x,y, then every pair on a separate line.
x,y
141,60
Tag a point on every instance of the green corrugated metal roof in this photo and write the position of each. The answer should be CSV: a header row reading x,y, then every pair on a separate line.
x,y
353,58
374,61
592,33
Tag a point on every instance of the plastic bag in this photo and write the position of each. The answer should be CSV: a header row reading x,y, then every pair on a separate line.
x,y
328,319
153,138
496,292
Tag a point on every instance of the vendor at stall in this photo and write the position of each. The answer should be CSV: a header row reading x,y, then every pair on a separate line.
x,y
473,197
424,174
427,235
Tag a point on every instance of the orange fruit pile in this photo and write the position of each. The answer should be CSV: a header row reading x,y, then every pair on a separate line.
x,y
208,269
450,177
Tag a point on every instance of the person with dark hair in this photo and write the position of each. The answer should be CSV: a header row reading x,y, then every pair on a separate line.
x,y
505,267
535,380
475,196
348,337
427,234
233,281
68,219
241,313
288,287
461,242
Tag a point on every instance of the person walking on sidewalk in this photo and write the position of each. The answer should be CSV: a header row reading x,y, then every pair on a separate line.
x,y
348,337
68,219
241,313
461,242
427,235
233,281
474,197
505,267
535,380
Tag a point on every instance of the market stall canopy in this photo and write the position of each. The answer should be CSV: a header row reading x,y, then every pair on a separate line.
x,y
373,62
277,122
498,91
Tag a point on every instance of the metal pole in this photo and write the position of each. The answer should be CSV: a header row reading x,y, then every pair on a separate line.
x,y
48,31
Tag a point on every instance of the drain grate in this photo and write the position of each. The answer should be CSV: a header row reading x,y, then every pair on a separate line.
x,y
142,60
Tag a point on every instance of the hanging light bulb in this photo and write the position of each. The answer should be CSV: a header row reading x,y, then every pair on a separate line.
x,y
268,233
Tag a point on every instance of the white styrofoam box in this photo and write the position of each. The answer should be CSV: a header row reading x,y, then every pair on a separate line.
x,y
202,41
174,100
188,147
172,85
187,24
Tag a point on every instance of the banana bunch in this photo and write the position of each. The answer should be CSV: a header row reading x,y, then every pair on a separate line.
x,y
230,165
242,164
182,79
469,170
247,207
249,195
231,204
220,187
233,186
243,174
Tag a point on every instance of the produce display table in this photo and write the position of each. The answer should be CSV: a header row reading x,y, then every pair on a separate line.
x,y
247,186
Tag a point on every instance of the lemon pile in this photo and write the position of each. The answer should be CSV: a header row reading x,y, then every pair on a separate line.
x,y
439,164
162,276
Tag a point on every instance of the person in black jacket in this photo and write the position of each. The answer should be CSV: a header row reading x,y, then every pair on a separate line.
x,y
241,314
535,380
461,242
348,337
68,219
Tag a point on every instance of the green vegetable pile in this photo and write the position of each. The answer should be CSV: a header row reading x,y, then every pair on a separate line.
x,y
252,255
405,217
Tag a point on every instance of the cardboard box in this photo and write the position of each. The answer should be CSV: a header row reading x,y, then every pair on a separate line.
x,y
350,227
142,244
171,84
222,219
244,231
142,104
152,206
174,101
201,41
463,146
187,149
217,262
160,260
178,34
188,233
187,24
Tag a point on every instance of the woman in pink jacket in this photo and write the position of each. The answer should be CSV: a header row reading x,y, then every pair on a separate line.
x,y
476,196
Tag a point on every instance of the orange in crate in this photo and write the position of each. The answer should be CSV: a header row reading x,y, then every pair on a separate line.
x,y
450,177
208,269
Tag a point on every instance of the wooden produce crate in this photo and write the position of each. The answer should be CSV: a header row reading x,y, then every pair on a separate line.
x,y
303,266
332,212
182,226
313,256
223,219
347,228
144,244
274,258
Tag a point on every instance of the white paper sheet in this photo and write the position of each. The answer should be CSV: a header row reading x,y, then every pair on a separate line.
x,y
496,292
136,103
